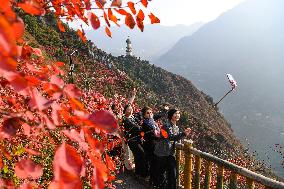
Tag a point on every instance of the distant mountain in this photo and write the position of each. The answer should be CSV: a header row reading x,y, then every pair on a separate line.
x,y
247,42
149,45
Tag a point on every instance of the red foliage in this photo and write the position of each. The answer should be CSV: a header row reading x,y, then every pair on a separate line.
x,y
27,168
129,21
154,19
36,103
116,3
132,7
108,32
94,21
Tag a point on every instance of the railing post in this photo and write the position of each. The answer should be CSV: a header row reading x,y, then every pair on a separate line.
x,y
178,156
207,180
188,164
198,161
249,183
233,181
220,177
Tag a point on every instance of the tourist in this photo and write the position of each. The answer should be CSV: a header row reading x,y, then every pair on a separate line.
x,y
132,133
165,150
151,132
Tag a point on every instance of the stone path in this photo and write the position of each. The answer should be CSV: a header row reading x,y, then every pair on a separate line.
x,y
128,180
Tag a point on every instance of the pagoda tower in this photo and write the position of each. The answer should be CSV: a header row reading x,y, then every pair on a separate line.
x,y
128,47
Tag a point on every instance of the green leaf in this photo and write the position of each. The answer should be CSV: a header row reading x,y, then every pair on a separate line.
x,y
19,151
5,169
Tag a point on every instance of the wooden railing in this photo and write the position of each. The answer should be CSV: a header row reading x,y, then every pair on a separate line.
x,y
190,181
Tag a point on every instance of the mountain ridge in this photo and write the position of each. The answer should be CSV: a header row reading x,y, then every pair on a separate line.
x,y
247,42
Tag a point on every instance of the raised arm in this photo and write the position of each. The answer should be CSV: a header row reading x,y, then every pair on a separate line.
x,y
133,95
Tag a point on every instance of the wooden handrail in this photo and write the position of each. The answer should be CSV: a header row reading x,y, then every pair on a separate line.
x,y
250,175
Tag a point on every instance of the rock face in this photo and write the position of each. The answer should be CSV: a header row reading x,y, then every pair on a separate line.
x,y
247,42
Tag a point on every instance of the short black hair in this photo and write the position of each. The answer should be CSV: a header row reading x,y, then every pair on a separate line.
x,y
125,107
171,112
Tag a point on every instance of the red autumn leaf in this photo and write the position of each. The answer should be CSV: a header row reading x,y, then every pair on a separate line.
x,y
110,163
139,19
7,40
145,3
67,181
72,91
67,159
6,154
26,129
54,79
28,186
37,52
60,25
27,168
32,152
1,162
12,125
7,9
8,64
18,28
88,4
132,7
97,180
55,113
106,19
81,34
121,11
129,21
76,104
33,81
101,3
116,3
50,88
37,100
140,15
104,120
112,17
32,7
59,64
95,21
164,133
26,51
65,115
78,137
50,125
108,32
154,19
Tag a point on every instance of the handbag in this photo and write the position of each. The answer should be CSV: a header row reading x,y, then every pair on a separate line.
x,y
162,147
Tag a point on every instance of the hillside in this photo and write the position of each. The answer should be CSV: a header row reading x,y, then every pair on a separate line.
x,y
247,42
98,71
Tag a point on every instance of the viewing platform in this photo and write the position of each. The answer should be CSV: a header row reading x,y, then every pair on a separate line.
x,y
193,176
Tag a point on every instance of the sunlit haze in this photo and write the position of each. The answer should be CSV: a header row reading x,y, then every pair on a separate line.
x,y
188,12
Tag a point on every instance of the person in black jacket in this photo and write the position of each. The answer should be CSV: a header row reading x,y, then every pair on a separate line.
x,y
151,134
132,133
165,149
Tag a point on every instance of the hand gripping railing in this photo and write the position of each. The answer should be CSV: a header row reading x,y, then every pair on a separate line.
x,y
193,181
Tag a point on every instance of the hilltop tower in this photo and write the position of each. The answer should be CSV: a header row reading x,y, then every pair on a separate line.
x,y
128,47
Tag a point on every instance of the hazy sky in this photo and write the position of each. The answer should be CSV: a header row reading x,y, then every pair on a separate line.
x,y
188,12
